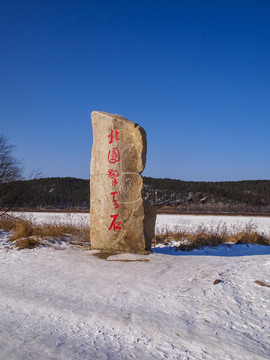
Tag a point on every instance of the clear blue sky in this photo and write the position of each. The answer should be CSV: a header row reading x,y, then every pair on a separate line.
x,y
195,74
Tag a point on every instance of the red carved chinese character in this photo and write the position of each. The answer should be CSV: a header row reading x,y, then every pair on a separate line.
x,y
116,206
115,225
111,136
114,155
113,174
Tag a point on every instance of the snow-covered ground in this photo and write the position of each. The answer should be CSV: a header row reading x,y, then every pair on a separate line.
x,y
69,304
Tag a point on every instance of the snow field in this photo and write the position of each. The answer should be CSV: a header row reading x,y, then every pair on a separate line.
x,y
69,304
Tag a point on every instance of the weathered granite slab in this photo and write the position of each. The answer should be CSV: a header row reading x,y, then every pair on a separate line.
x,y
119,221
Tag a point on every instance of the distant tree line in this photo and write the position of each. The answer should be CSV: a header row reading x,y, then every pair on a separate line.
x,y
169,191
55,193
252,196
173,195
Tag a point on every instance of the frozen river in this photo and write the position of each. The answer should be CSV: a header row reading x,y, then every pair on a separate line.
x,y
168,222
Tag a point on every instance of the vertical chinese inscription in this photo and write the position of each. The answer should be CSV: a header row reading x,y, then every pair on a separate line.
x,y
114,157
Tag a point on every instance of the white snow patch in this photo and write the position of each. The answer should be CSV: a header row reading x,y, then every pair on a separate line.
x,y
72,305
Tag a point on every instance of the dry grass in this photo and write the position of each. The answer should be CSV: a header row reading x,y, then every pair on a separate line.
x,y
27,235
27,243
261,283
204,237
249,238
7,223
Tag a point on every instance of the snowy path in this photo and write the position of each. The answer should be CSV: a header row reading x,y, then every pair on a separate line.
x,y
69,304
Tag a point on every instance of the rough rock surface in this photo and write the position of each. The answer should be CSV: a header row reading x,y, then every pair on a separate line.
x,y
119,221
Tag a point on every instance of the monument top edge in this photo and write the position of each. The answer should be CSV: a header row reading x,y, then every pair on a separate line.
x,y
111,116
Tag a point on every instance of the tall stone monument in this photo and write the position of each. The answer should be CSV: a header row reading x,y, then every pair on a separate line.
x,y
119,220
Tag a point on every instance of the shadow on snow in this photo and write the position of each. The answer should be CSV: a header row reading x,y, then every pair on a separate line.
x,y
227,250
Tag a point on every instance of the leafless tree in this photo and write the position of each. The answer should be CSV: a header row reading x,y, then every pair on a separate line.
x,y
10,167
11,170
